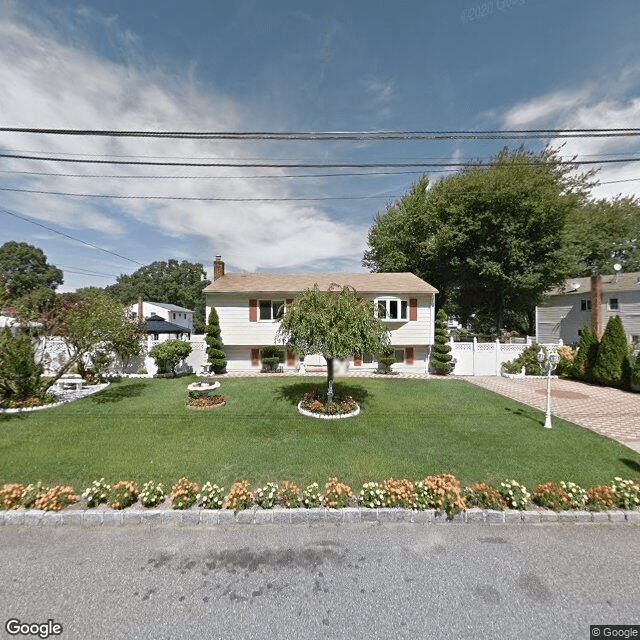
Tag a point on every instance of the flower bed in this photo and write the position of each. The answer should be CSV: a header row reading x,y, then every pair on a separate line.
x,y
315,405
202,400
442,493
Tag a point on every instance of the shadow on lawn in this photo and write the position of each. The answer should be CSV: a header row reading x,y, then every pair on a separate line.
x,y
116,393
530,414
293,393
632,464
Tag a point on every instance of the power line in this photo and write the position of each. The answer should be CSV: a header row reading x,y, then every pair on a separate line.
x,y
325,165
194,198
513,134
88,244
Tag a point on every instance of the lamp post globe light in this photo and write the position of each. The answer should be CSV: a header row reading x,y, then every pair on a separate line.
x,y
548,362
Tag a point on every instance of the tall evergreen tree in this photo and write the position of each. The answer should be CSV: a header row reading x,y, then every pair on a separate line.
x,y
587,353
612,352
440,356
215,347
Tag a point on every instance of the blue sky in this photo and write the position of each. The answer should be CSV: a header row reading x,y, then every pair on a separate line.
x,y
211,65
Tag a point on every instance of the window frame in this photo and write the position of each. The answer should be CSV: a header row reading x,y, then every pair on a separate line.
x,y
613,307
386,303
274,306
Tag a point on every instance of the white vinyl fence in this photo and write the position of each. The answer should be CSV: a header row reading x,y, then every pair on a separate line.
x,y
484,358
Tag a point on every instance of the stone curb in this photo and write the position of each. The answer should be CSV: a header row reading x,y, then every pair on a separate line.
x,y
310,517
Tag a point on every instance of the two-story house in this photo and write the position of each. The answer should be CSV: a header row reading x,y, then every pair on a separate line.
x,y
590,301
249,306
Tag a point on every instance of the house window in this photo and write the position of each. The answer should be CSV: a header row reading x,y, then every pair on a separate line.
x,y
613,304
270,309
585,304
392,309
399,354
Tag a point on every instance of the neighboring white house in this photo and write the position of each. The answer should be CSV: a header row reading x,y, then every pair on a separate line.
x,y
248,307
170,312
589,301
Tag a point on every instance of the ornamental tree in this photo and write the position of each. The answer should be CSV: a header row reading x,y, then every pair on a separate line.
x,y
215,347
612,352
336,323
167,354
19,372
441,358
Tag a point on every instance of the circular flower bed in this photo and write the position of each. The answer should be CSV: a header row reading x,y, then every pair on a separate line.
x,y
198,400
315,405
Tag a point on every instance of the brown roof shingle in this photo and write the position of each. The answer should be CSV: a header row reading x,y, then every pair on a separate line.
x,y
294,283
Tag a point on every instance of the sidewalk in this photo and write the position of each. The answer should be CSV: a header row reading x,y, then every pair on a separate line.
x,y
610,412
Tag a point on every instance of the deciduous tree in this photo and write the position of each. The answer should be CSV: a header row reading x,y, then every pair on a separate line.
x,y
335,323
491,239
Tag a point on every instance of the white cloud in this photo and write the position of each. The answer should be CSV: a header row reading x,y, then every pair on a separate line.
x,y
611,106
547,107
50,82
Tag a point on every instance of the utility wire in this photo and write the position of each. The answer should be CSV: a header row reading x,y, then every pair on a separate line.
x,y
326,165
88,244
338,135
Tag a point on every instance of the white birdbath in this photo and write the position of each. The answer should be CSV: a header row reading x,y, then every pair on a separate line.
x,y
203,386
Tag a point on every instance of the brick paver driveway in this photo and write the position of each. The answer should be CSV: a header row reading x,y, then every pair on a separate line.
x,y
610,412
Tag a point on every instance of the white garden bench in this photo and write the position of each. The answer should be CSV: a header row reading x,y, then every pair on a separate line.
x,y
70,382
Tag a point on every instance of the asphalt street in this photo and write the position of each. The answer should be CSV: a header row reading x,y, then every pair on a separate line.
x,y
348,581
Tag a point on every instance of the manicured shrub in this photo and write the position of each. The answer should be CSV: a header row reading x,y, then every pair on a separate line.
x,y
20,376
635,371
586,355
272,355
440,356
215,347
386,358
527,359
169,353
611,354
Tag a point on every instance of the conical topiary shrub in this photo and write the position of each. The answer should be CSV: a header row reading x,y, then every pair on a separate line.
x,y
613,349
440,356
587,354
215,351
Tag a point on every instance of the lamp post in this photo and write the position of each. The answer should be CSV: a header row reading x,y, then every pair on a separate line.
x,y
549,363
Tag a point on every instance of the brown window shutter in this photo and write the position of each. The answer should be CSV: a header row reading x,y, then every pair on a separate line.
x,y
291,358
408,355
255,357
413,309
357,360
253,311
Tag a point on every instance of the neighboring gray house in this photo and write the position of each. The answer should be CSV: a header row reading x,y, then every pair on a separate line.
x,y
581,301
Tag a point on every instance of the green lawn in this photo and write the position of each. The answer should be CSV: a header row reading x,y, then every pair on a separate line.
x,y
141,430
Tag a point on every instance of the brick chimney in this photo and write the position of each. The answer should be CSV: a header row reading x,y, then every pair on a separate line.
x,y
218,268
140,311
596,305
